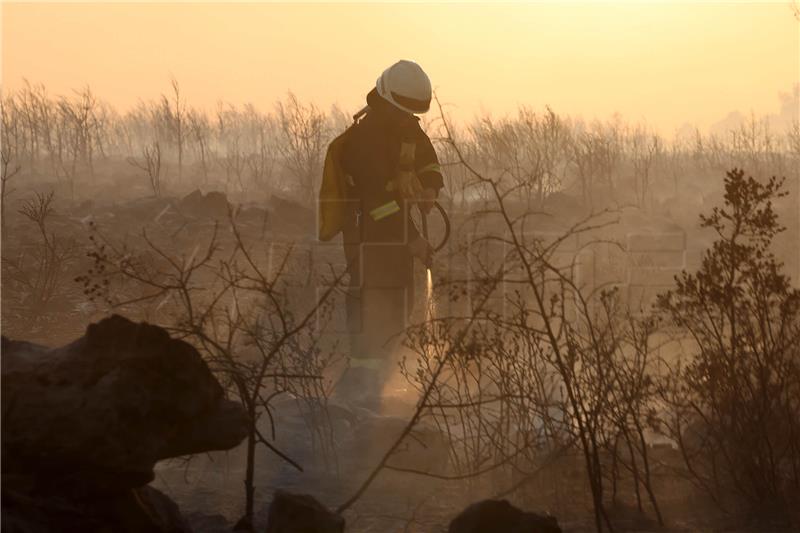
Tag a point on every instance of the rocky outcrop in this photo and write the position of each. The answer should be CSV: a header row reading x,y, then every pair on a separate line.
x,y
499,516
287,212
213,204
84,425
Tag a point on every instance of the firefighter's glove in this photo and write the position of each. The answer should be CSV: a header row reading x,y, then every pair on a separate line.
x,y
427,199
407,185
421,249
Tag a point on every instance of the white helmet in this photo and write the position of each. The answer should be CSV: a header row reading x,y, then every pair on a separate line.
x,y
406,86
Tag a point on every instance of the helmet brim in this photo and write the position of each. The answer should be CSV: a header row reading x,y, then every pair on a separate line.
x,y
404,103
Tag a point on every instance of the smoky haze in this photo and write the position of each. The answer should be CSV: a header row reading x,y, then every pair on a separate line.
x,y
605,326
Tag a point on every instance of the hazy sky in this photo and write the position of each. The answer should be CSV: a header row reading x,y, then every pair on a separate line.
x,y
667,63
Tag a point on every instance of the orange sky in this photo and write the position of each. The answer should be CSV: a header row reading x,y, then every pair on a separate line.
x,y
667,63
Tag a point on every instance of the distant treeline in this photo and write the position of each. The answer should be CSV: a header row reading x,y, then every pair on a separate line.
x,y
243,149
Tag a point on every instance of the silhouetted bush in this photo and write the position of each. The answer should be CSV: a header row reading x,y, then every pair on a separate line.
x,y
735,401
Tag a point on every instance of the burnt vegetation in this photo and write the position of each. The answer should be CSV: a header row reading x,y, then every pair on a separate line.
x,y
612,334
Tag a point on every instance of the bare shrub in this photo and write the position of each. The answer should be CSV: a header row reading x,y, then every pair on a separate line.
x,y
40,271
151,165
531,149
77,134
199,131
644,150
238,313
303,133
173,113
594,155
8,170
530,363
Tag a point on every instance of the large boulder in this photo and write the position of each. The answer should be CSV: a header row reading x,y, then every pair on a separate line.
x,y
499,516
84,424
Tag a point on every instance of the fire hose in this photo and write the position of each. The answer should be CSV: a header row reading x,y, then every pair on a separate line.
x,y
446,236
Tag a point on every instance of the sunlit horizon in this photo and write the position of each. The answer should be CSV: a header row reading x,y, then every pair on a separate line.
x,y
666,64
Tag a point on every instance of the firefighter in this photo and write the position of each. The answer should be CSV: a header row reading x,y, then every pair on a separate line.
x,y
390,166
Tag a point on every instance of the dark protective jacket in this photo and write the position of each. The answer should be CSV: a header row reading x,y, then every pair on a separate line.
x,y
376,225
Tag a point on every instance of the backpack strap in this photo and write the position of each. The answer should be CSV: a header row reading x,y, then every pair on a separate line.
x,y
358,116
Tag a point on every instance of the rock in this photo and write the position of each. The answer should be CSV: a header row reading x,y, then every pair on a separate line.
x,y
214,204
208,523
84,425
143,510
499,516
144,209
253,215
301,513
160,511
627,517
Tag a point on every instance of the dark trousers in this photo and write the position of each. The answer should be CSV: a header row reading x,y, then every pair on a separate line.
x,y
379,299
